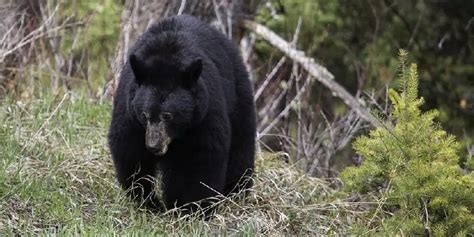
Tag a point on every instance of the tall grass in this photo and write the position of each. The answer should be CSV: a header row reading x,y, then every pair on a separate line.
x,y
56,177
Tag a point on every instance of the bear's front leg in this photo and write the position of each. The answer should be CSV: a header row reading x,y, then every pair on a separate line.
x,y
202,179
135,168
197,176
138,179
195,167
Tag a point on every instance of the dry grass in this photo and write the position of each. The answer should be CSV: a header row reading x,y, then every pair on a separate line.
x,y
56,177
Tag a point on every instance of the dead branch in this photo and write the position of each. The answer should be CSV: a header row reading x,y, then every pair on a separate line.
x,y
286,109
269,77
314,69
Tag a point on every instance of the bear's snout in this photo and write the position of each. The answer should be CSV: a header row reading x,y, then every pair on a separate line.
x,y
157,139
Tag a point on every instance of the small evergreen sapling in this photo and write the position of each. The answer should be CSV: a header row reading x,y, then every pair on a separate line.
x,y
411,165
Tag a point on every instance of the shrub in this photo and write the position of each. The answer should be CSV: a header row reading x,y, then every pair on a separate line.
x,y
411,166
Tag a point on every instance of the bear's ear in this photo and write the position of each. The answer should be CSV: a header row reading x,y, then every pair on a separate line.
x,y
192,72
136,68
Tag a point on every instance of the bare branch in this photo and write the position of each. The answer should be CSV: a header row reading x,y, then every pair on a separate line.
x,y
181,8
269,77
286,109
314,69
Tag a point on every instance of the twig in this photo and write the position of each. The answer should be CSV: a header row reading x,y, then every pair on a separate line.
x,y
276,101
298,101
181,7
229,11
269,77
286,109
415,30
219,16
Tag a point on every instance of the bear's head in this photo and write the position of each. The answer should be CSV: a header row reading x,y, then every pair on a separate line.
x,y
169,97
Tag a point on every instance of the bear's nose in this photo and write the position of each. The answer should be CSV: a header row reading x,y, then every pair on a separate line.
x,y
157,151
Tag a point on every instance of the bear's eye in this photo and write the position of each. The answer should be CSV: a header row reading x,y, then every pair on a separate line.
x,y
166,116
145,115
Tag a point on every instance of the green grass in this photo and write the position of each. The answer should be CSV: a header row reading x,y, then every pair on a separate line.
x,y
56,177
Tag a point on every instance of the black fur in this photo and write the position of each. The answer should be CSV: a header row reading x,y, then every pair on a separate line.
x,y
184,67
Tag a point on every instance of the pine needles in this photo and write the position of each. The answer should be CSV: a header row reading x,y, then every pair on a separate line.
x,y
412,169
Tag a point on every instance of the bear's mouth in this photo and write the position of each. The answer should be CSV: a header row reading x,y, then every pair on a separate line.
x,y
157,139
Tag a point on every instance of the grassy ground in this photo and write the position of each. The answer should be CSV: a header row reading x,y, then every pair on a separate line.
x,y
56,176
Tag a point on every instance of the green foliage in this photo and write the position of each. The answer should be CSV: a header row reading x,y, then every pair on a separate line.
x,y
412,167
355,40
96,38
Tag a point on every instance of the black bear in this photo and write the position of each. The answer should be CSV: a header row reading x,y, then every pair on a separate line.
x,y
184,107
